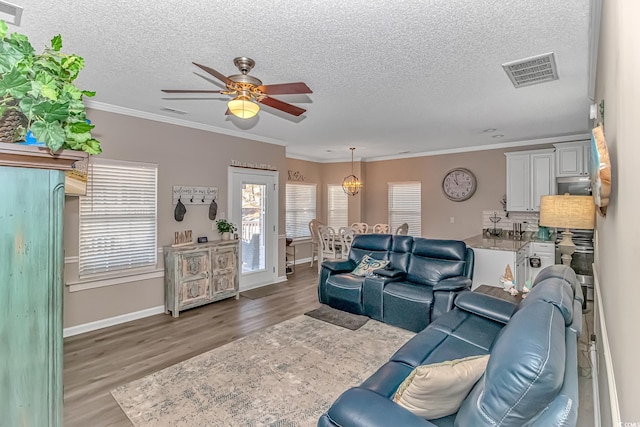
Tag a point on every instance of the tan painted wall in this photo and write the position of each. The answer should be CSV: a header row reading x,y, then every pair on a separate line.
x,y
618,235
184,156
488,166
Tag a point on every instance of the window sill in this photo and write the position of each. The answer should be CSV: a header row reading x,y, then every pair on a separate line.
x,y
100,282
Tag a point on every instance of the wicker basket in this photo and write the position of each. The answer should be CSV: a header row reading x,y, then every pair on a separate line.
x,y
12,123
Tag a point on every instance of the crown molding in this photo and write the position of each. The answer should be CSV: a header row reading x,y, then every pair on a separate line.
x,y
178,122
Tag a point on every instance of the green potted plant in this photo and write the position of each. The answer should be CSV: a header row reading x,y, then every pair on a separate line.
x,y
38,95
225,228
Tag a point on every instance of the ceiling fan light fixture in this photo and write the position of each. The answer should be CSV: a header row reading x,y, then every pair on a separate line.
x,y
242,106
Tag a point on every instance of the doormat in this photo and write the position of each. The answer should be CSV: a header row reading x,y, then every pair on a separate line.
x,y
338,317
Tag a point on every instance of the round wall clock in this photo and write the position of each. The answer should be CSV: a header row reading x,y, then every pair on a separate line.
x,y
459,184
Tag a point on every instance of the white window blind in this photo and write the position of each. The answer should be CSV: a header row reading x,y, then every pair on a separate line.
x,y
337,207
300,209
118,218
405,206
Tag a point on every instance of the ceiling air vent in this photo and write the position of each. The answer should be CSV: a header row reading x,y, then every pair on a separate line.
x,y
531,71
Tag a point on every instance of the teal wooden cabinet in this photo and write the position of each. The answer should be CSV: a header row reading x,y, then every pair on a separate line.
x,y
31,288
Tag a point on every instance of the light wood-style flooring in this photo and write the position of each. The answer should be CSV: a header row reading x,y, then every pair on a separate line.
x,y
96,362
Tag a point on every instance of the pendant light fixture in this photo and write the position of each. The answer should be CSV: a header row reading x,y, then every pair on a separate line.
x,y
351,184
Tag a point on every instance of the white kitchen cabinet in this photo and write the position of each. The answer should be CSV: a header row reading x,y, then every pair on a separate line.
x,y
547,254
573,158
530,175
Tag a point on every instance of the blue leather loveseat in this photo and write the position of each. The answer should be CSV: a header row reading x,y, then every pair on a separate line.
x,y
419,284
531,379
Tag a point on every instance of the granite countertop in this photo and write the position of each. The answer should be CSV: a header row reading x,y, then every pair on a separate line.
x,y
502,243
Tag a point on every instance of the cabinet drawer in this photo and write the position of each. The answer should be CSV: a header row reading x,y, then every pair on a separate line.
x,y
193,291
193,264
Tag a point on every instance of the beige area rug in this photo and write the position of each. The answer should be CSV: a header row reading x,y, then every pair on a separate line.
x,y
285,375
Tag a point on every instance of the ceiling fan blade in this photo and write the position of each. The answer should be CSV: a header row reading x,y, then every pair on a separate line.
x,y
282,106
227,113
214,73
285,89
189,91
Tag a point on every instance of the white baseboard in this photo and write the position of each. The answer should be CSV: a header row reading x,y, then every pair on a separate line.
x,y
306,260
112,321
608,362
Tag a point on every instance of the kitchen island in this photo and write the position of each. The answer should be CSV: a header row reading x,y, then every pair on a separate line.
x,y
493,254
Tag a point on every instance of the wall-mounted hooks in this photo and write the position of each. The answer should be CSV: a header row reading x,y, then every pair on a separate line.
x,y
194,195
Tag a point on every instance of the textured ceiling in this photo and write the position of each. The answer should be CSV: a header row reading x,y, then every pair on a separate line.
x,y
388,77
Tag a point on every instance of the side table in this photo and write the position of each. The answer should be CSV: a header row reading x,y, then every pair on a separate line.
x,y
494,291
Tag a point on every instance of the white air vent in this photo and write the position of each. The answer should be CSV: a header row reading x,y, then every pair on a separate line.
x,y
10,13
531,71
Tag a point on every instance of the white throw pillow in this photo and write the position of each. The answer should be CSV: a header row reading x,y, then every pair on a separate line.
x,y
437,390
367,265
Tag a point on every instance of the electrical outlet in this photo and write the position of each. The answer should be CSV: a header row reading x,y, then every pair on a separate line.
x,y
452,220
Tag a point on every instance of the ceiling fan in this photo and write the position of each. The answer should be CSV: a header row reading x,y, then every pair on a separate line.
x,y
249,91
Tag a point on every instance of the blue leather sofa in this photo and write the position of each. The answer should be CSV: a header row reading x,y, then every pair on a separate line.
x,y
532,375
419,284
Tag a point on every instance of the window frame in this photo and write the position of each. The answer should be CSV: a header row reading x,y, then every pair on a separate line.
x,y
342,212
411,216
302,218
139,206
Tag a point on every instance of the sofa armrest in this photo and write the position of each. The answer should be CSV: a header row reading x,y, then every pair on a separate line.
x,y
458,283
391,273
486,306
339,266
363,407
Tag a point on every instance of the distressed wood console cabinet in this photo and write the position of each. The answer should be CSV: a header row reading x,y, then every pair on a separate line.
x,y
199,274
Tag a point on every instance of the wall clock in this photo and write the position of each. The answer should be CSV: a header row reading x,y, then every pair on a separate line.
x,y
459,184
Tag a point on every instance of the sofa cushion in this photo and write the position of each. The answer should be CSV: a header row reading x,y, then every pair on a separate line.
x,y
367,265
553,291
375,245
438,389
435,260
401,298
344,292
525,372
448,337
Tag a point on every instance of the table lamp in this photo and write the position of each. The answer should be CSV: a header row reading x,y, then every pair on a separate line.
x,y
567,212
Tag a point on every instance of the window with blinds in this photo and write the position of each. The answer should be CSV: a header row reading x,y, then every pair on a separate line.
x,y
337,207
118,218
405,206
300,209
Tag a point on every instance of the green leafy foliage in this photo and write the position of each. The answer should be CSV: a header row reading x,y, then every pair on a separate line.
x,y
40,85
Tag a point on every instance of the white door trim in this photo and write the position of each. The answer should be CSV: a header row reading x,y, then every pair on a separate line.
x,y
270,275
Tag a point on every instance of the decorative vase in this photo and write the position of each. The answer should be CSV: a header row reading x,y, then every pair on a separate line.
x,y
226,235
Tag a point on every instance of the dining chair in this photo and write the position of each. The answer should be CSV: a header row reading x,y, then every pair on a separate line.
x,y
315,239
403,230
329,246
381,229
346,235
360,227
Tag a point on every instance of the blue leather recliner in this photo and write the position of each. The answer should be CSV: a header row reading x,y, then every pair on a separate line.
x,y
531,379
419,284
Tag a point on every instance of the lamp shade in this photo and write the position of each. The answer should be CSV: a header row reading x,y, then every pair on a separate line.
x,y
242,107
567,212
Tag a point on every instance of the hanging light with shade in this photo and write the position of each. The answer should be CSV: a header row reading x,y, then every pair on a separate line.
x,y
351,184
